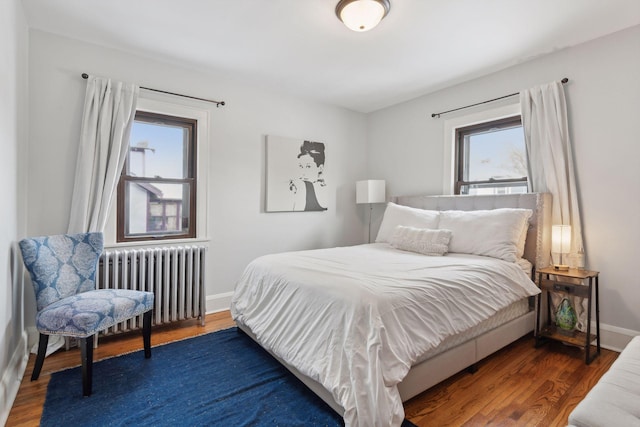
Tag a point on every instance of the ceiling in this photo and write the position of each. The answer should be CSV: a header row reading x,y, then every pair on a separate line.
x,y
300,47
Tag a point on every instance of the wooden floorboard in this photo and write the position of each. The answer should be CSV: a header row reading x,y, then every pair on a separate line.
x,y
517,386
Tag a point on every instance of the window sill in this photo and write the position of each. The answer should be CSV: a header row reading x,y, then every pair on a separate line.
x,y
157,243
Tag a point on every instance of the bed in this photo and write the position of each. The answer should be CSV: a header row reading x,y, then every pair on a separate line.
x,y
370,326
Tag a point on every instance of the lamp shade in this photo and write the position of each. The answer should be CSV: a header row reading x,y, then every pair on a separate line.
x,y
370,191
561,239
362,15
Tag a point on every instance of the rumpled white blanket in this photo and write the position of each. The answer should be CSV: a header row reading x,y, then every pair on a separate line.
x,y
356,318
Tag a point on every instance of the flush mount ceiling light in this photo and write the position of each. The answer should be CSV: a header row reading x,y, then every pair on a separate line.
x,y
362,15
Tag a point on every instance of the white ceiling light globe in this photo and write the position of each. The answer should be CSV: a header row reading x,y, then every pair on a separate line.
x,y
362,15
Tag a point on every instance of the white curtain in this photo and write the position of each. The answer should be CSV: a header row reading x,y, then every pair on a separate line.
x,y
550,163
109,110
550,159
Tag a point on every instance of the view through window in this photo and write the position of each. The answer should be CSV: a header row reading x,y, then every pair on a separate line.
x,y
491,158
156,194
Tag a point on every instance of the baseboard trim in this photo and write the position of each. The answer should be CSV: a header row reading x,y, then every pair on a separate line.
x,y
218,302
613,337
12,377
32,337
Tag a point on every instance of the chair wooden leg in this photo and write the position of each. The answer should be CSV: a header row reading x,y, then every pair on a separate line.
x,y
86,353
42,352
146,334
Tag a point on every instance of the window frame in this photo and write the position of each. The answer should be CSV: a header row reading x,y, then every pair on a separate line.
x,y
450,125
192,161
180,107
461,154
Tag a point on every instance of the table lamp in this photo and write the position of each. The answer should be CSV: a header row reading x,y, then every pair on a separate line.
x,y
370,191
560,244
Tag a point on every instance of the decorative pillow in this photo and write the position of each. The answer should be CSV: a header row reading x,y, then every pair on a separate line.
x,y
396,215
496,233
421,240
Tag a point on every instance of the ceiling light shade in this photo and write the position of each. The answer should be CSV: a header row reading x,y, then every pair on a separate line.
x,y
362,15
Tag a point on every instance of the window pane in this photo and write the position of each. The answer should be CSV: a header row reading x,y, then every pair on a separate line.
x,y
482,189
156,208
158,150
496,154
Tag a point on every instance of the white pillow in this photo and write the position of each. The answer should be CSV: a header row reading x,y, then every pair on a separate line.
x,y
496,233
421,240
523,239
396,215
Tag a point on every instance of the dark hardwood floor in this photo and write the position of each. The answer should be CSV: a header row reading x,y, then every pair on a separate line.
x,y
517,386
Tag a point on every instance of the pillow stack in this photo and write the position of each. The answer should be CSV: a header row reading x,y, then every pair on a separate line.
x,y
497,233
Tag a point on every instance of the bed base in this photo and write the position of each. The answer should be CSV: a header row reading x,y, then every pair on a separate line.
x,y
442,366
438,368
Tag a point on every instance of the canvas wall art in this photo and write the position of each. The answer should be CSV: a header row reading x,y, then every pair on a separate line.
x,y
296,178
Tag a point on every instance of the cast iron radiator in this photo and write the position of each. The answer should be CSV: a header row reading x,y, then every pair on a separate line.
x,y
175,274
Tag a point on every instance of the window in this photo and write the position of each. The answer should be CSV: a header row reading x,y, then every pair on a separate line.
x,y
491,158
157,188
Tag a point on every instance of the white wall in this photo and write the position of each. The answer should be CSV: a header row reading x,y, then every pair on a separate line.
x,y
603,95
13,71
238,228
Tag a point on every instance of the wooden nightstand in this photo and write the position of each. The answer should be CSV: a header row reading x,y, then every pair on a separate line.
x,y
587,290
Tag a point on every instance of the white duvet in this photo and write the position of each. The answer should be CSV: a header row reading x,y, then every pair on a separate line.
x,y
356,318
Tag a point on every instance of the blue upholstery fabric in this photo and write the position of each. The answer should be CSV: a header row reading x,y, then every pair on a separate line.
x,y
90,312
63,270
61,266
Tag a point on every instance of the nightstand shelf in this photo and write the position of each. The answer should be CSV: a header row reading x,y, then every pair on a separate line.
x,y
578,338
559,284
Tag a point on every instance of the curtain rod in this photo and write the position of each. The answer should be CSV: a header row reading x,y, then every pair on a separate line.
x,y
437,115
218,103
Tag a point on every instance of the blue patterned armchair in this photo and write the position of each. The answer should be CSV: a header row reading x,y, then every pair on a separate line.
x,y
63,271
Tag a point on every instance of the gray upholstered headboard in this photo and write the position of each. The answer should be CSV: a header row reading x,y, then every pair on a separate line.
x,y
538,246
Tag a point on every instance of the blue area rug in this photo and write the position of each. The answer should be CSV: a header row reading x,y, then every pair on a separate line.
x,y
218,379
